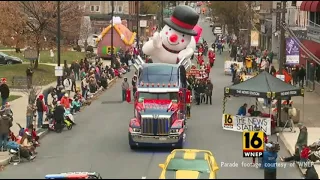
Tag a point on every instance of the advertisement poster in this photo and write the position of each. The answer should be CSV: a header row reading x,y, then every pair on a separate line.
x,y
245,123
292,51
254,38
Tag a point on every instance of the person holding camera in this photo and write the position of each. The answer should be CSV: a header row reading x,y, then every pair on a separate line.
x,y
269,160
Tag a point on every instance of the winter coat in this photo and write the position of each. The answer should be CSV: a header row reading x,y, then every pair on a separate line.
x,y
303,137
5,124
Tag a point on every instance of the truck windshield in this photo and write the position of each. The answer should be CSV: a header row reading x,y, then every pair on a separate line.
x,y
170,95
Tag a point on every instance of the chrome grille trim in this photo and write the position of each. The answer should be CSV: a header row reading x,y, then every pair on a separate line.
x,y
163,126
147,126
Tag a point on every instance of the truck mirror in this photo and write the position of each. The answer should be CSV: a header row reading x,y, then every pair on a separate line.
x,y
188,96
128,95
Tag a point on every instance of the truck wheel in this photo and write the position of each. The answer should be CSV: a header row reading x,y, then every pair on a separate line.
x,y
133,147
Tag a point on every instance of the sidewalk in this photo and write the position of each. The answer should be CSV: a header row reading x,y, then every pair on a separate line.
x,y
309,117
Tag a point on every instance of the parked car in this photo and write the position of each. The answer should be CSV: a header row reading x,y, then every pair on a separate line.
x,y
6,59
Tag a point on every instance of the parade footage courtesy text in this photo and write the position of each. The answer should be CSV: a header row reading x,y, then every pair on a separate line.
x,y
244,123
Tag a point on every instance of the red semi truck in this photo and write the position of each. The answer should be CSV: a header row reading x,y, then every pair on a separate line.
x,y
160,106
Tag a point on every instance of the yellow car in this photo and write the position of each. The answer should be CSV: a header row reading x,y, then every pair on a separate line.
x,y
189,164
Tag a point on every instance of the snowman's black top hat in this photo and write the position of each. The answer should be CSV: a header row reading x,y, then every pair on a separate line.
x,y
183,20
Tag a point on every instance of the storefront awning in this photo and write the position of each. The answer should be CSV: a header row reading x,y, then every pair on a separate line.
x,y
315,6
311,6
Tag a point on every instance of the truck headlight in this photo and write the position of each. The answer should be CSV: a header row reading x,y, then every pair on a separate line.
x,y
174,131
137,130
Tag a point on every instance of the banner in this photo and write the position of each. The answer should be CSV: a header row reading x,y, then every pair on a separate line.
x,y
244,123
254,38
227,66
292,51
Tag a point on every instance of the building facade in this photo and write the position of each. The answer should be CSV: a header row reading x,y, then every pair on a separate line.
x,y
310,49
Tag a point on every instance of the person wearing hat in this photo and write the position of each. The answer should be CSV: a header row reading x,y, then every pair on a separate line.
x,y
4,91
270,162
65,102
125,86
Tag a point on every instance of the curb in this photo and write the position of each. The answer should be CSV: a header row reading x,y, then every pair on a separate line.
x,y
44,132
287,146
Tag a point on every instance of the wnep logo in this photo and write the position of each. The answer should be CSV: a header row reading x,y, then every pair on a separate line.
x,y
252,143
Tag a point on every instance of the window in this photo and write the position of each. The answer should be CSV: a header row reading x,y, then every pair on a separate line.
x,y
120,9
92,8
97,8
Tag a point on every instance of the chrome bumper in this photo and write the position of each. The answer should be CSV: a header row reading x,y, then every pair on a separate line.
x,y
156,139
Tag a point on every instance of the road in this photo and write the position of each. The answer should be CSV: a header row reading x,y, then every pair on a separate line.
x,y
100,143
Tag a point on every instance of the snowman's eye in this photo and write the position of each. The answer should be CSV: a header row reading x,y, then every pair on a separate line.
x,y
182,35
169,29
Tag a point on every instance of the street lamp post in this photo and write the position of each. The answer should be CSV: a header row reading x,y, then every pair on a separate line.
x,y
58,42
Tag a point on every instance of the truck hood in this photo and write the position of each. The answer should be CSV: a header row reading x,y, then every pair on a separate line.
x,y
185,174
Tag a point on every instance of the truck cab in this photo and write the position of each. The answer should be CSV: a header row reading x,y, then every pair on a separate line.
x,y
160,105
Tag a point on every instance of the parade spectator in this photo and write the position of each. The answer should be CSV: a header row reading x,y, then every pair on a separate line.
x,y
75,67
58,115
248,64
5,124
134,85
269,162
41,107
84,87
302,75
125,86
65,101
67,83
73,82
302,137
46,93
5,92
273,70
209,88
76,105
30,113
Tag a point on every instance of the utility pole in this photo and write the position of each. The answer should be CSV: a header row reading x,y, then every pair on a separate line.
x,y
138,21
282,52
112,31
249,26
58,41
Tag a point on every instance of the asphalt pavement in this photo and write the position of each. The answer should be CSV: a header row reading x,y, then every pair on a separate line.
x,y
99,141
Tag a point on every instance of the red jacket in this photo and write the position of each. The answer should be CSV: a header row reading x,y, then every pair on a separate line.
x,y
208,68
305,153
33,133
211,55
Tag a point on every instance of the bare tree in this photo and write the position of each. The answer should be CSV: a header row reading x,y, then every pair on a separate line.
x,y
35,22
85,29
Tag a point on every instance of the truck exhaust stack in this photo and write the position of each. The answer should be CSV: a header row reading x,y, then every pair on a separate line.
x,y
138,63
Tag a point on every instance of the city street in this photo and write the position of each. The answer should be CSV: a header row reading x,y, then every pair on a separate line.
x,y
100,140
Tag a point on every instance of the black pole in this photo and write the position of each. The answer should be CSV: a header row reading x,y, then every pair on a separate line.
x,y
282,53
58,41
112,52
137,16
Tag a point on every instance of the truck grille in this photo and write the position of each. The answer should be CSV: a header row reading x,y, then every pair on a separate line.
x,y
155,126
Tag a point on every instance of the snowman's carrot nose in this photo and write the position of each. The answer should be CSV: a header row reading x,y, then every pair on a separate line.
x,y
173,38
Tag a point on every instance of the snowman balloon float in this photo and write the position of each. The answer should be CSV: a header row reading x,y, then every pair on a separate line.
x,y
172,44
